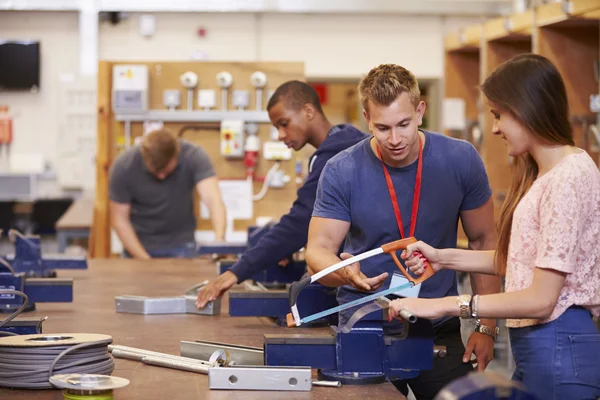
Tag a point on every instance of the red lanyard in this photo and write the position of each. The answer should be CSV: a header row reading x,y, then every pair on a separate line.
x,y
417,193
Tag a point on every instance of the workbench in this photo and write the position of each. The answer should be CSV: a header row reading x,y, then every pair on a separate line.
x,y
75,223
93,311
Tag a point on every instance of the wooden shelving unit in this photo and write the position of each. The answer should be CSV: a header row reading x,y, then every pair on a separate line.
x,y
568,33
462,70
572,42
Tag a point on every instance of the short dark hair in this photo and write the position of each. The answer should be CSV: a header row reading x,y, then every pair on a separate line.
x,y
296,94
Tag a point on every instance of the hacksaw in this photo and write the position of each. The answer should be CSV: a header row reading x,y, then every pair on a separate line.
x,y
293,318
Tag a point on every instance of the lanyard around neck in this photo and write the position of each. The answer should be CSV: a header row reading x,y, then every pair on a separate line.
x,y
416,196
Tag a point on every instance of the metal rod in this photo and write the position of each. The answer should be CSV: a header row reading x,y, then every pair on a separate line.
x,y
327,383
161,362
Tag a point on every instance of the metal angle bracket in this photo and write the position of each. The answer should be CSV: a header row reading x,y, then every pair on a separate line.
x,y
185,304
260,378
164,305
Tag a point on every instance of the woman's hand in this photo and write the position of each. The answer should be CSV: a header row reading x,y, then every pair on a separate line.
x,y
417,254
421,308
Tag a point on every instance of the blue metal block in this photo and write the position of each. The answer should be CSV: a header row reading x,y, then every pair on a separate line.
x,y
291,350
275,303
49,290
271,303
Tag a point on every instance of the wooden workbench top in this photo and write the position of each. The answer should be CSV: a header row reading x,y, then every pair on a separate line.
x,y
93,311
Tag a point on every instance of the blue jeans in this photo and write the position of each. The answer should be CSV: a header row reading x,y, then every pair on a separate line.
x,y
187,250
559,360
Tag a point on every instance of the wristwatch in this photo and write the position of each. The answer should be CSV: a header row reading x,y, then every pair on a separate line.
x,y
464,303
486,330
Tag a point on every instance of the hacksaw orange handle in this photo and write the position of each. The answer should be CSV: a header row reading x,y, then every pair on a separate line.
x,y
402,244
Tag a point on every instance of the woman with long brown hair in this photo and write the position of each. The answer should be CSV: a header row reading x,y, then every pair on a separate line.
x,y
549,240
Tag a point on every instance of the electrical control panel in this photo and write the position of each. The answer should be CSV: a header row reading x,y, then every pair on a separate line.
x,y
232,138
130,89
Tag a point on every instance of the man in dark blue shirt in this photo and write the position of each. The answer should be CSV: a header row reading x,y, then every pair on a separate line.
x,y
434,180
295,110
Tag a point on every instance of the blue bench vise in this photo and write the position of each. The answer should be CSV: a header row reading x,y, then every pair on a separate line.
x,y
28,258
364,355
258,301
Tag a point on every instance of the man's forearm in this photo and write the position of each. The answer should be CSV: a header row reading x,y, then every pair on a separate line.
x,y
218,217
320,258
130,240
484,283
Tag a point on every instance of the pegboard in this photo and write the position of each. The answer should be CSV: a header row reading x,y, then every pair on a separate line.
x,y
166,76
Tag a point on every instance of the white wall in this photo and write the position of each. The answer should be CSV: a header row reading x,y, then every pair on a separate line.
x,y
332,46
35,122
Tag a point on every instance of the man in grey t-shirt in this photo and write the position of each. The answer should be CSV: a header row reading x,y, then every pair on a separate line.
x,y
152,196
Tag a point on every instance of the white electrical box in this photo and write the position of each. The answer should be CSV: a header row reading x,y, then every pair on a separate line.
x,y
171,98
240,99
130,89
207,98
276,151
232,138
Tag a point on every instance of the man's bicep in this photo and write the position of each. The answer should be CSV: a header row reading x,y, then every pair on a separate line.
x,y
327,233
478,223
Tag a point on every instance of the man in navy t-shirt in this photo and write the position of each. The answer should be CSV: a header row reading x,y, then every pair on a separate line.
x,y
354,207
295,110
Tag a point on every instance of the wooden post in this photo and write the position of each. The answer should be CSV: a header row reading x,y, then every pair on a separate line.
x,y
101,226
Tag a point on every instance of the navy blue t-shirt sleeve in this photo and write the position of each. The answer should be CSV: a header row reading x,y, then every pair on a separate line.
x,y
476,186
332,197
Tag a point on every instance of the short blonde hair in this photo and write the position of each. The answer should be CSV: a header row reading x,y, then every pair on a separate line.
x,y
384,83
159,147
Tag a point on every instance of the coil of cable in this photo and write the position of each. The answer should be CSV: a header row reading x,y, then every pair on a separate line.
x,y
28,361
